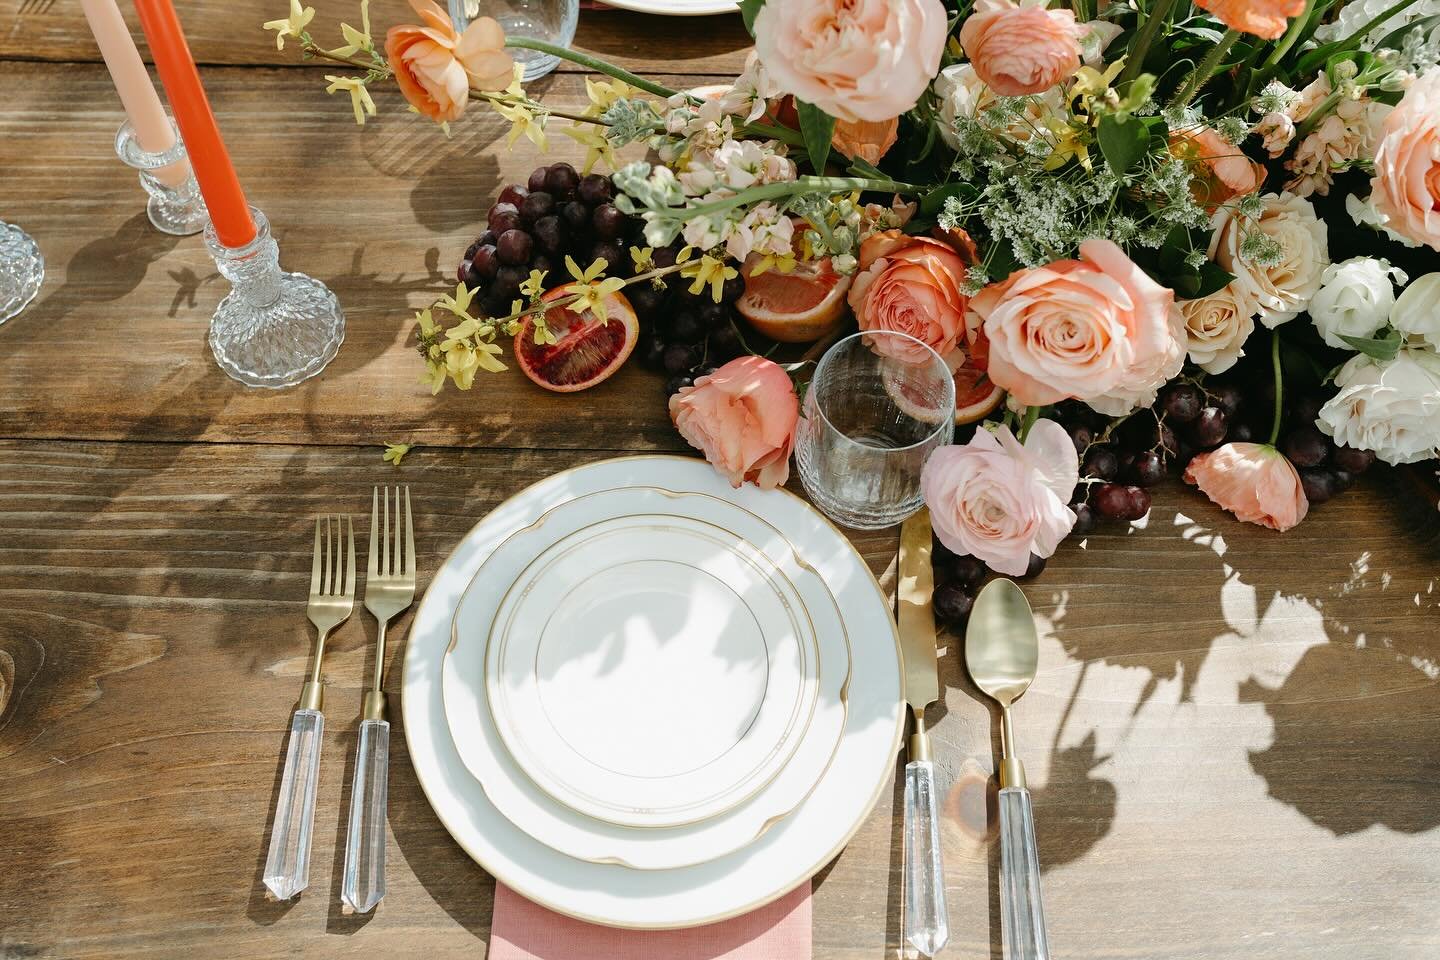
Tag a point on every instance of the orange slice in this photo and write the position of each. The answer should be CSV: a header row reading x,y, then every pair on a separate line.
x,y
796,307
587,350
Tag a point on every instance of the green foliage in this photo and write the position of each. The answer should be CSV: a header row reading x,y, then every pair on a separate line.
x,y
1123,141
1383,348
749,10
817,127
933,202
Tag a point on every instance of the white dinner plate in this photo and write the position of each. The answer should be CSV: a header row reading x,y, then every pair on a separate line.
x,y
648,669
527,806
785,856
676,8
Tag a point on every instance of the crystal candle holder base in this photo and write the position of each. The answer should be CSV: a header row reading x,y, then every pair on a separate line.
x,y
175,206
22,269
274,329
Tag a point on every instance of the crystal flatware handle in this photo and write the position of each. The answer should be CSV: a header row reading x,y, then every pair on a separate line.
x,y
926,924
1022,914
287,868
364,883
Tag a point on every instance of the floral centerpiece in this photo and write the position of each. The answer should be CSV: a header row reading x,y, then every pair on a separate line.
x,y
1165,236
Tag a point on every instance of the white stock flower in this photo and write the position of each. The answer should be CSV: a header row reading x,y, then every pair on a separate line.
x,y
1417,311
1282,289
1391,408
764,229
1354,299
1277,130
1216,328
750,95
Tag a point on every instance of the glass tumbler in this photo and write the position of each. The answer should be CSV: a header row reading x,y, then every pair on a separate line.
x,y
552,21
880,403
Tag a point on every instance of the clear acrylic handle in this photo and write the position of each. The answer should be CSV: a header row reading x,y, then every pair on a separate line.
x,y
1022,914
287,868
364,883
926,923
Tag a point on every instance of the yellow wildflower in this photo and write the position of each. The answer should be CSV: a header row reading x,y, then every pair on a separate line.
x,y
356,40
435,374
291,26
604,93
590,291
426,322
593,139
531,288
395,452
359,95
708,270
524,120
765,264
459,304
643,258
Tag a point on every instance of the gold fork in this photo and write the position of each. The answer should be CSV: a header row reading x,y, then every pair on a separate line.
x,y
332,598
389,589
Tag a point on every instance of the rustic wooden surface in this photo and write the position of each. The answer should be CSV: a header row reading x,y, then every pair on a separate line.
x,y
1231,740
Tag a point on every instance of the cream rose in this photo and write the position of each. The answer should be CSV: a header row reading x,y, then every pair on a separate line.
x,y
1417,311
1216,328
1354,299
963,94
1406,186
1280,289
1391,408
854,59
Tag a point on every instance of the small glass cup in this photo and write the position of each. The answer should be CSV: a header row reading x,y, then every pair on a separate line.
x,y
22,269
880,403
552,21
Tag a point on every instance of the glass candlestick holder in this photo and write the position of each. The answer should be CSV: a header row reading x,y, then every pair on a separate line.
x,y
175,205
22,268
273,329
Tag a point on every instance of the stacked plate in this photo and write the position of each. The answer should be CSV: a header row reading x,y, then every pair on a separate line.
x,y
644,699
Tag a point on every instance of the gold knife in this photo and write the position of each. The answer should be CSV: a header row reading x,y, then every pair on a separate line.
x,y
926,924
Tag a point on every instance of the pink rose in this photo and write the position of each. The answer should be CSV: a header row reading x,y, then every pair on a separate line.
x,y
1406,187
854,59
1254,481
742,417
1089,328
1000,501
912,285
435,67
1261,18
1224,172
1021,50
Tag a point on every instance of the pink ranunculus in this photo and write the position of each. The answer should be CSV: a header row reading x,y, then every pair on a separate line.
x,y
742,417
1406,187
1021,50
1254,481
1001,501
1260,18
1225,172
912,285
1087,328
865,139
435,66
854,59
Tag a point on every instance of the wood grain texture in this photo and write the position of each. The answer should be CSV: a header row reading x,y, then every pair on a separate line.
x,y
1231,737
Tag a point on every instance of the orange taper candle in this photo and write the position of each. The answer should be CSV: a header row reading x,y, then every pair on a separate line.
x,y
229,212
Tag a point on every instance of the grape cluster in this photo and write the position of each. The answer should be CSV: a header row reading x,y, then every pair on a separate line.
x,y
958,579
535,225
685,335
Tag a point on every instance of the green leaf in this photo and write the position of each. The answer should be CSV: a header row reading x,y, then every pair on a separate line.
x,y
1123,142
817,127
1383,348
1213,278
749,9
934,201
860,167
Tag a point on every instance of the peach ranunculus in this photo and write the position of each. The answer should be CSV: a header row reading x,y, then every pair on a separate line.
x,y
866,139
742,417
1021,50
436,67
1260,18
1092,328
1001,501
854,59
1254,481
912,285
1223,171
1406,186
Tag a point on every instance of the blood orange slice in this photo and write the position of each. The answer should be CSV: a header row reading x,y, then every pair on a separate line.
x,y
587,350
976,395
796,307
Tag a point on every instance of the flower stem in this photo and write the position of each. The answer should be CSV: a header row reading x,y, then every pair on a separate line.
x,y
594,63
1201,74
1279,387
786,188
1153,21
1032,413
1297,26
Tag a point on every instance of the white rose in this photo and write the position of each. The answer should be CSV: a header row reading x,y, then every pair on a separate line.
x,y
1282,289
1392,408
1417,311
1216,328
961,94
1355,298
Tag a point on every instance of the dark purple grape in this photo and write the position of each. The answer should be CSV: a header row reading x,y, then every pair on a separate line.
x,y
665,256
486,236
1148,468
1101,463
1085,519
645,300
514,247
485,262
1165,440
610,252
562,180
1209,427
607,221
537,178
1112,500
495,303
952,603
514,193
549,235
470,250
462,272
576,216
725,343
714,314
504,216
595,189
1036,567
1227,396
1353,461
1319,485
679,358
1182,402
542,263
1344,480
677,383
1305,446
537,205
507,283
1082,436
967,571
1240,432
652,353
1139,500
733,289
1306,409
686,327
942,558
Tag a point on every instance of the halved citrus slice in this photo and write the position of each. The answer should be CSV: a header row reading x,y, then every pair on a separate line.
x,y
976,395
796,307
587,350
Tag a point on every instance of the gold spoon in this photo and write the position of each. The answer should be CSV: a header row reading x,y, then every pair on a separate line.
x,y
1001,653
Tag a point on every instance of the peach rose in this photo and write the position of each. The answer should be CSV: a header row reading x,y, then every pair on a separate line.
x,y
854,59
865,139
1224,172
1001,501
1254,481
912,285
1262,18
1406,187
742,417
436,67
1021,50
1088,328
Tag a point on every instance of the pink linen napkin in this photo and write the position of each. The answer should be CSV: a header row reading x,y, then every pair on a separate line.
x,y
522,930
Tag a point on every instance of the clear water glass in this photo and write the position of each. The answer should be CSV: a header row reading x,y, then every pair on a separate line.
x,y
879,405
552,21
22,269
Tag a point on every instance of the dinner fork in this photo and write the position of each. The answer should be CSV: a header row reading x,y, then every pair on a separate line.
x,y
389,589
332,598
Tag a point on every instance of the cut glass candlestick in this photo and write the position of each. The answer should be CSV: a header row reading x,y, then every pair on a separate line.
x,y
22,268
274,329
175,205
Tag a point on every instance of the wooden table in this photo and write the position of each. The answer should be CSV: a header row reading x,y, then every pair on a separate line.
x,y
1232,739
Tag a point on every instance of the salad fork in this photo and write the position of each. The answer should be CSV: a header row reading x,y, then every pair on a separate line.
x,y
389,589
332,598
